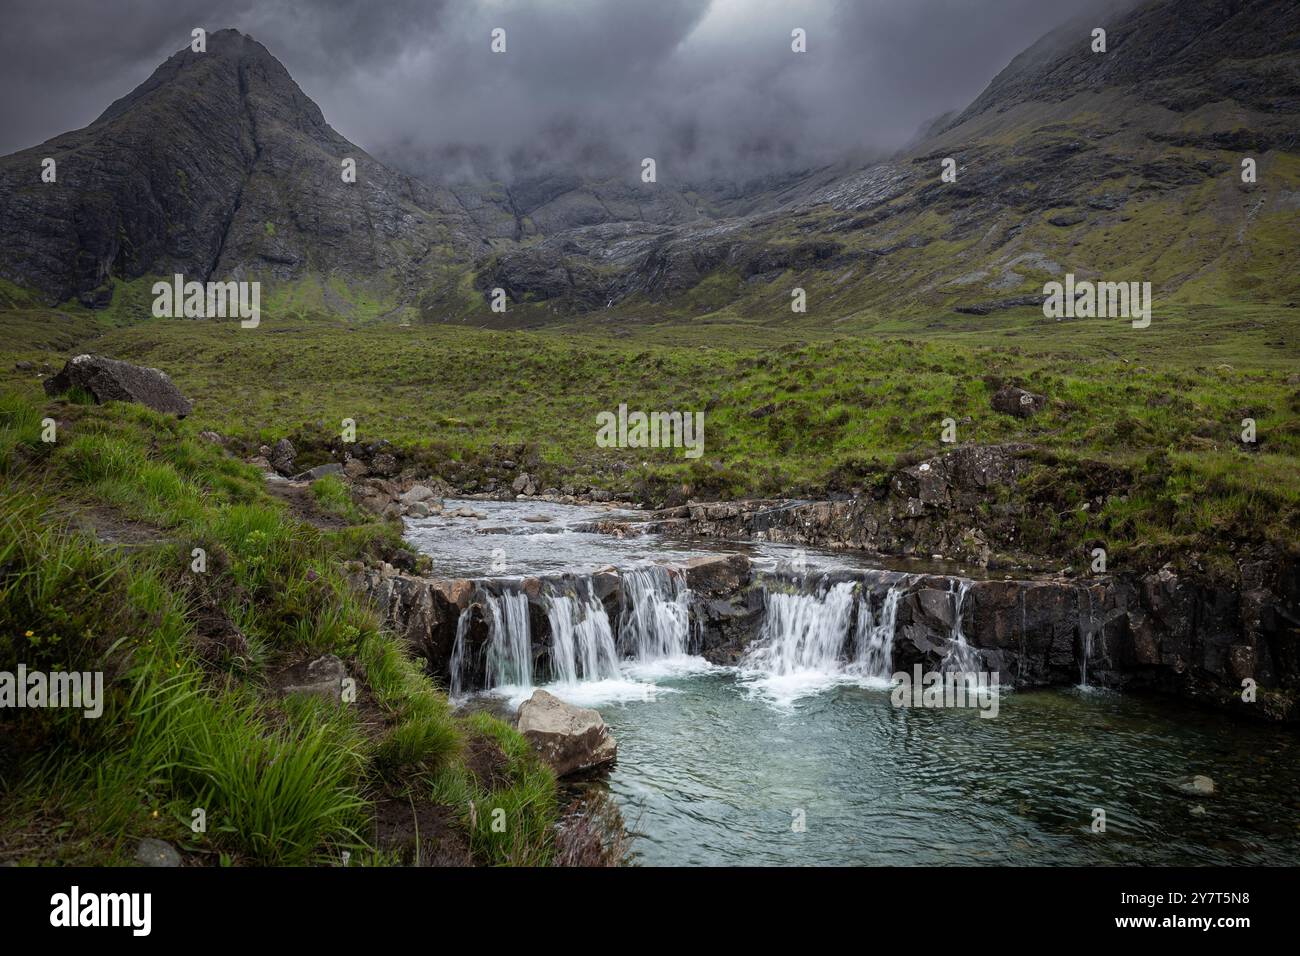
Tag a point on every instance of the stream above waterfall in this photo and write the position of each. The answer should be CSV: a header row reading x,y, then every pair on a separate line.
x,y
794,753
516,538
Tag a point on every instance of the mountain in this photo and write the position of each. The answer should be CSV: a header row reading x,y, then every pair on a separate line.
x,y
1124,165
218,166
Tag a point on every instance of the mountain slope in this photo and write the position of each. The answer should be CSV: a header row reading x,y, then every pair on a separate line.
x,y
216,166
1123,165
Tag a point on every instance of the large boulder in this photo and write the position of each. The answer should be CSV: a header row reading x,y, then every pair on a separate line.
x,y
109,380
384,465
570,739
717,574
322,677
282,456
153,852
416,493
1010,400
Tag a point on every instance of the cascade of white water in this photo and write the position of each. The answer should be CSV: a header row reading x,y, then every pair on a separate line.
x,y
831,629
458,655
875,637
656,625
510,647
508,656
961,656
656,619
814,632
804,631
582,641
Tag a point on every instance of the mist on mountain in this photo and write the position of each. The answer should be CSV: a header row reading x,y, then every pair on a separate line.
x,y
710,88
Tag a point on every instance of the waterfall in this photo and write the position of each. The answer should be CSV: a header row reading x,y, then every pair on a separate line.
x,y
961,656
656,625
458,655
804,631
830,630
656,614
1087,643
510,646
507,653
582,641
875,638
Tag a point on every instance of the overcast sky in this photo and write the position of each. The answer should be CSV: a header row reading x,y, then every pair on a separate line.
x,y
711,83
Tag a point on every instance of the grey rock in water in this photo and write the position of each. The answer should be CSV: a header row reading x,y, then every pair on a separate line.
x,y
1192,785
935,608
110,380
416,493
151,852
716,574
570,739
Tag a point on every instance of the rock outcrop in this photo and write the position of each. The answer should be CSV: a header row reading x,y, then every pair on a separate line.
x,y
248,186
570,739
281,455
322,677
947,506
1017,402
110,380
1158,632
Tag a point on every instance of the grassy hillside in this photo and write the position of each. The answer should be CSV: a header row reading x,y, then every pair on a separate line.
x,y
97,530
1147,422
1041,190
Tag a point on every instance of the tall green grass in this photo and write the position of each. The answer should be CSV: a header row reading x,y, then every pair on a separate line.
x,y
280,780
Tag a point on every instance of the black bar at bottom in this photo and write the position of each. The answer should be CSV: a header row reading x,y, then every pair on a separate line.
x,y
335,906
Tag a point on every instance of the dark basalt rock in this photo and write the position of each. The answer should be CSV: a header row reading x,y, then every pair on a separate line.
x,y
320,471
1158,632
282,456
1000,305
110,380
1067,219
217,201
1010,400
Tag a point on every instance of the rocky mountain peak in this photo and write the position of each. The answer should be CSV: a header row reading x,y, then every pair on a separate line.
x,y
1179,53
217,166
234,68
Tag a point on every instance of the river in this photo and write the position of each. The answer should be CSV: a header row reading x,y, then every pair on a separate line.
x,y
798,756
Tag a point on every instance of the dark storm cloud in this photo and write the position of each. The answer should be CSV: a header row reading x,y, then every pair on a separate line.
x,y
708,87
